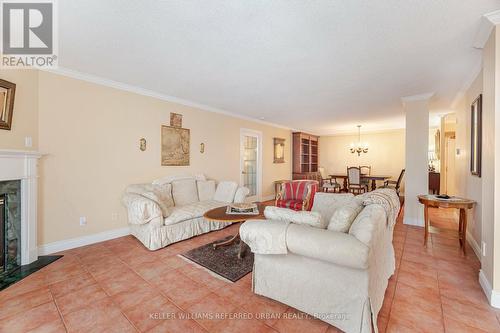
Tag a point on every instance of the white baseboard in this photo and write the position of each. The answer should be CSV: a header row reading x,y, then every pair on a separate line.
x,y
413,222
475,246
492,295
82,241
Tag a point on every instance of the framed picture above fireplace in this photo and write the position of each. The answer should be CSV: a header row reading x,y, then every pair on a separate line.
x,y
7,94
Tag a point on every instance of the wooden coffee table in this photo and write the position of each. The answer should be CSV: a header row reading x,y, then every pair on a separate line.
x,y
219,215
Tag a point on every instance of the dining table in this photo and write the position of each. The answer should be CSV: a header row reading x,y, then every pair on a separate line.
x,y
372,178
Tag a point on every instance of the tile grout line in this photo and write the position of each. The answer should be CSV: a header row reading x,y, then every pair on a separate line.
x,y
439,287
396,282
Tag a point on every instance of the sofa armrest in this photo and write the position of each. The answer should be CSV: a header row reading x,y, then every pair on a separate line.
x,y
141,210
330,246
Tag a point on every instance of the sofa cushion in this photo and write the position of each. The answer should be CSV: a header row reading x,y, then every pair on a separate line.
x,y
206,189
184,192
312,219
292,204
225,191
191,211
344,215
241,194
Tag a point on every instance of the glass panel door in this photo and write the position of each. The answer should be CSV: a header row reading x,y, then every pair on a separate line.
x,y
250,155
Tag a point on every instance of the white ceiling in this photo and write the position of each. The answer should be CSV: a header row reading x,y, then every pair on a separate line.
x,y
319,66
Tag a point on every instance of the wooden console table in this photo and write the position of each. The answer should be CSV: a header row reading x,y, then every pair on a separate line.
x,y
454,202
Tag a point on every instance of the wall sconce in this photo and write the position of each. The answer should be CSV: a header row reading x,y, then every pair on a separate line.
x,y
202,147
142,144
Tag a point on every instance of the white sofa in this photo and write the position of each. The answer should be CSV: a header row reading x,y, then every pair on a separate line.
x,y
171,209
337,277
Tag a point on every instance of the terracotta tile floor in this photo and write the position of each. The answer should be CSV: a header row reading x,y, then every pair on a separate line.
x,y
119,286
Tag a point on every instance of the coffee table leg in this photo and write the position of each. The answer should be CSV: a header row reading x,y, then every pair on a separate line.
x,y
242,251
228,242
426,218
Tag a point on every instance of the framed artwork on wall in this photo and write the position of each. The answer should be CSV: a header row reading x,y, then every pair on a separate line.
x,y
476,128
7,94
279,150
174,146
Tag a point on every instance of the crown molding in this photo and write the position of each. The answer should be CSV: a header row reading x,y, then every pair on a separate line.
x,y
488,21
467,83
415,98
150,93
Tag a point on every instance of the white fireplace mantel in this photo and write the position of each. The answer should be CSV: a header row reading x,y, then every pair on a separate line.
x,y
23,165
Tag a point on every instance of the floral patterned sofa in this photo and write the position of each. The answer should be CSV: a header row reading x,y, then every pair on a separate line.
x,y
171,209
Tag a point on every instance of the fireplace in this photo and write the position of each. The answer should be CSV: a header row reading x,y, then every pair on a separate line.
x,y
19,188
10,224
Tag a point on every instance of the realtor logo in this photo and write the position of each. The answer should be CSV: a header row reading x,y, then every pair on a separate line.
x,y
28,34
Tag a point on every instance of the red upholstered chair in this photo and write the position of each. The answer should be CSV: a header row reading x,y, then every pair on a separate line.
x,y
297,194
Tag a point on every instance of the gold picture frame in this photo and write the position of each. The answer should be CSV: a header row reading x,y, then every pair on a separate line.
x,y
174,146
279,150
175,119
476,136
7,94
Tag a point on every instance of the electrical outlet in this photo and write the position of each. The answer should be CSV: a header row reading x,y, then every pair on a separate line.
x,y
83,220
483,249
114,216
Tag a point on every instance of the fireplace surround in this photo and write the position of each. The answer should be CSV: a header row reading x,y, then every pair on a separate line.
x,y
21,167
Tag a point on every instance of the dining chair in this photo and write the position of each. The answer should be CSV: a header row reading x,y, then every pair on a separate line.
x,y
354,178
365,170
327,183
395,184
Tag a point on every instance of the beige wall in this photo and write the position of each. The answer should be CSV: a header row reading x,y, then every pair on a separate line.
x,y
490,77
466,184
483,224
25,116
91,134
386,153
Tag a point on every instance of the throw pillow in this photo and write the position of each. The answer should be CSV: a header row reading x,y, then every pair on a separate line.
x,y
184,192
312,219
225,191
206,189
344,215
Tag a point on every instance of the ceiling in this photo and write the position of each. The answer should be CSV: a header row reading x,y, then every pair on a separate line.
x,y
318,66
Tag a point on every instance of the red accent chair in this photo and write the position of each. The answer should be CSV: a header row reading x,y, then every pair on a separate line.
x,y
297,194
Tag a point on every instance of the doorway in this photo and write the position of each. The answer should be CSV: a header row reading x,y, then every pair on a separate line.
x,y
251,163
450,163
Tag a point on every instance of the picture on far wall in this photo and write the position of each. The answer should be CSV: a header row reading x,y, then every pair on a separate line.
x,y
279,150
7,94
175,119
476,127
174,146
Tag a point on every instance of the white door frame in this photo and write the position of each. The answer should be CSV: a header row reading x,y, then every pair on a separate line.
x,y
258,134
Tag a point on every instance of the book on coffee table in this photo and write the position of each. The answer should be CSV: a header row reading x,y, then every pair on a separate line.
x,y
243,209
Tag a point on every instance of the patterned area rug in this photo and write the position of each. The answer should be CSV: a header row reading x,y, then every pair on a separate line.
x,y
224,260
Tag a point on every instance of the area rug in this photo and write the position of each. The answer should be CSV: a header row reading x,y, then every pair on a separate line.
x,y
26,270
223,260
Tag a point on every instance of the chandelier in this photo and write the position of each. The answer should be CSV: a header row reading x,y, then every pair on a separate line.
x,y
359,147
